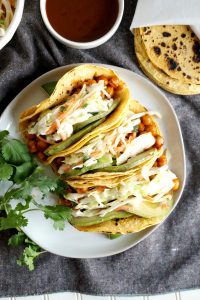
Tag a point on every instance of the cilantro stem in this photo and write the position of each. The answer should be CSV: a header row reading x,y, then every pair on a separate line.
x,y
28,210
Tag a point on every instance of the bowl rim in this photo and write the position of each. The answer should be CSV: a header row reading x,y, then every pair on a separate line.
x,y
14,24
74,44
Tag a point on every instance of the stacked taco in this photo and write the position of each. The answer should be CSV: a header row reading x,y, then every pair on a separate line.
x,y
107,147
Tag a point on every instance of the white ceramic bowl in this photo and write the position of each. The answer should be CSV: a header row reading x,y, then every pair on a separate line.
x,y
13,25
82,45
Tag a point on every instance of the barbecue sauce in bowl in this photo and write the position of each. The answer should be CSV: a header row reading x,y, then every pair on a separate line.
x,y
82,20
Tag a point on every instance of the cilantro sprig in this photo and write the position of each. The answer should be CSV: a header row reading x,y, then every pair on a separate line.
x,y
19,169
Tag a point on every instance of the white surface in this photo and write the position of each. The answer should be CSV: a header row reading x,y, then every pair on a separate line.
x,y
167,12
71,242
14,24
186,295
77,45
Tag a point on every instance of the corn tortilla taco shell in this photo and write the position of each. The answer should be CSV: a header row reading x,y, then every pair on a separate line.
x,y
157,75
123,226
64,87
175,49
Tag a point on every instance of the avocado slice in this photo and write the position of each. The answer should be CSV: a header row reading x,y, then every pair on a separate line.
x,y
88,221
150,210
49,87
98,116
104,165
131,163
72,139
113,236
104,161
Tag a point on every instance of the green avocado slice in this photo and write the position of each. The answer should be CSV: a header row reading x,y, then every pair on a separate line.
x,y
98,116
72,139
49,87
131,163
105,166
104,161
150,210
113,236
88,221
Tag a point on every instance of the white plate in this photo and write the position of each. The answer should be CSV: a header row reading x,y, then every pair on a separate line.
x,y
71,242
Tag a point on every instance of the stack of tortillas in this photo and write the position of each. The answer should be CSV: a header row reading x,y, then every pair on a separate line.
x,y
170,56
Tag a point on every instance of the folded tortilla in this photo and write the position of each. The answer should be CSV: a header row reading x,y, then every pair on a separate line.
x,y
63,89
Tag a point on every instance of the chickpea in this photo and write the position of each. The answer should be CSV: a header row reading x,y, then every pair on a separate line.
x,y
152,129
143,132
32,146
110,90
162,160
91,81
159,142
146,120
114,82
41,155
155,164
101,77
176,184
59,161
41,145
141,127
30,136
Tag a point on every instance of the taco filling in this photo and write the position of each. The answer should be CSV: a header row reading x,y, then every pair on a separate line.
x,y
121,149
144,197
87,106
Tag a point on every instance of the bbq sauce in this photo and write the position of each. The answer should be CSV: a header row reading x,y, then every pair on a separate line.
x,y
82,20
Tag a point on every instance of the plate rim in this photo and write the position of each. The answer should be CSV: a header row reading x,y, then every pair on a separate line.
x,y
153,86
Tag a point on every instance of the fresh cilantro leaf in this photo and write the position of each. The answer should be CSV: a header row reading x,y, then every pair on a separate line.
x,y
28,256
17,239
23,171
43,182
58,213
135,128
6,171
21,207
61,187
3,134
15,152
13,220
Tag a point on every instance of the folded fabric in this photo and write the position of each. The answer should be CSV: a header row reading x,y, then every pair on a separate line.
x,y
167,12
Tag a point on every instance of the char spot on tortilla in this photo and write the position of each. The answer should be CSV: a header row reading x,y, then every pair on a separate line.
x,y
189,77
181,43
175,39
179,69
166,34
183,35
192,34
184,74
172,64
174,47
157,50
163,44
196,50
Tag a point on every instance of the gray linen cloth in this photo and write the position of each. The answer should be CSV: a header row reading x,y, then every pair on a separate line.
x,y
166,261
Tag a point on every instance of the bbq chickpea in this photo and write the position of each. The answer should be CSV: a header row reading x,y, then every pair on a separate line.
x,y
159,142
146,120
162,160
91,81
101,77
114,82
152,129
41,145
176,184
41,155
141,127
32,146
110,90
30,136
